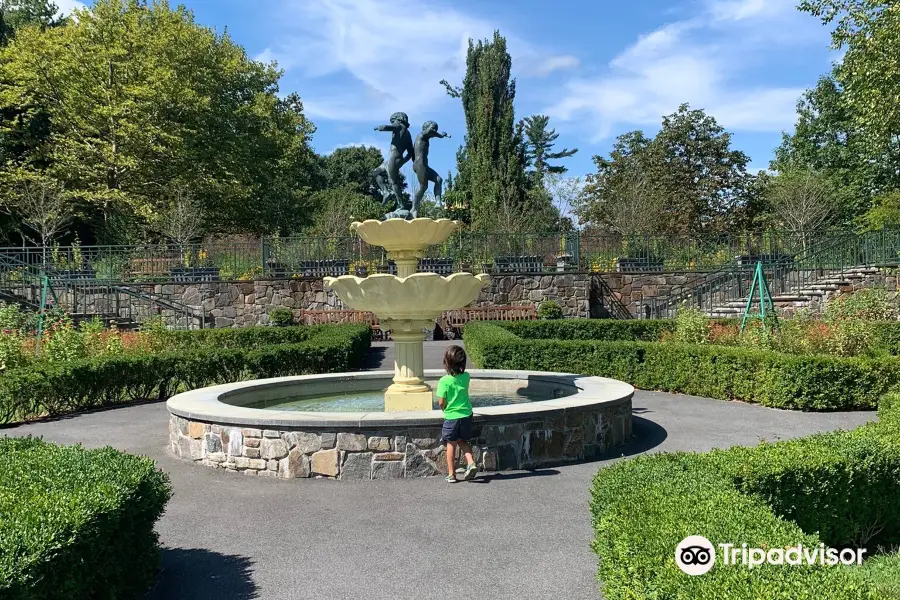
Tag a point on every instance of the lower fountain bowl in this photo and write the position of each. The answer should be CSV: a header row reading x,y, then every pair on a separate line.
x,y
252,427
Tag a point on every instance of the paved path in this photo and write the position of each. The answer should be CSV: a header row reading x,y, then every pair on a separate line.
x,y
520,536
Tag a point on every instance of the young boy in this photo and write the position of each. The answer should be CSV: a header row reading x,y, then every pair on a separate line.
x,y
453,398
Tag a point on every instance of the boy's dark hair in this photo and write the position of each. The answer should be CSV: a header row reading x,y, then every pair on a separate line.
x,y
455,360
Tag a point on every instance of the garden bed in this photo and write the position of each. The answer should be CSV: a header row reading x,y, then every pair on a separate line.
x,y
175,361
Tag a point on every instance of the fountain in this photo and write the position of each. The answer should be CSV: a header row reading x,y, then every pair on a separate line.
x,y
407,303
334,426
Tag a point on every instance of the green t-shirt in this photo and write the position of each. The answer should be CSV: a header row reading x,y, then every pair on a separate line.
x,y
454,389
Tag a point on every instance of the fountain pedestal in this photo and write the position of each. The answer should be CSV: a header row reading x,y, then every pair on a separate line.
x,y
409,390
409,302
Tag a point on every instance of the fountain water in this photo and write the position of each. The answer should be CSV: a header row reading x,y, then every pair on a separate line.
x,y
409,302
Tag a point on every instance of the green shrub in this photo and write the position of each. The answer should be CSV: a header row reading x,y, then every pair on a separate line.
x,y
76,523
226,355
842,485
550,310
764,377
281,316
594,329
691,326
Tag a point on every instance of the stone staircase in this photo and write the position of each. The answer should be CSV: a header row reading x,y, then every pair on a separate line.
x,y
810,293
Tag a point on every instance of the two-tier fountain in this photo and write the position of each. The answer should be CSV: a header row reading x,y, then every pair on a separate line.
x,y
409,302
334,425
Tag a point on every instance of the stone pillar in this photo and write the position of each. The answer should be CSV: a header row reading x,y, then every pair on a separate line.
x,y
407,262
409,390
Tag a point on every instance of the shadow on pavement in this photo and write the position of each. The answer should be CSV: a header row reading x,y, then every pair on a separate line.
x,y
374,359
203,575
502,476
646,436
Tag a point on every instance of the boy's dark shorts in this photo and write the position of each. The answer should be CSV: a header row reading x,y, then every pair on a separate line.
x,y
457,429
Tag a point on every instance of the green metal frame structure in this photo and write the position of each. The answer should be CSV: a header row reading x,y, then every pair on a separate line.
x,y
765,299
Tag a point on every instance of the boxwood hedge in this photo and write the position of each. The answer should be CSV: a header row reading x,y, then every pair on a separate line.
x,y
203,358
839,489
76,523
727,373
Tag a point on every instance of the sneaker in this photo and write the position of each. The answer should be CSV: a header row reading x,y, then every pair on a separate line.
x,y
451,479
471,472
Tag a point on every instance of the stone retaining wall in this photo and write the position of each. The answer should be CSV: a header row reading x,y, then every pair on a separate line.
x,y
564,436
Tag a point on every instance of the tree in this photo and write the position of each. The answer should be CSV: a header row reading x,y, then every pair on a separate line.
x,y
491,169
141,99
827,139
539,147
565,192
182,220
803,202
352,166
16,14
701,178
40,204
619,197
338,207
688,174
868,31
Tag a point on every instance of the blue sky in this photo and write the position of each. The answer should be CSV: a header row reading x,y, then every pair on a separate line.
x,y
597,67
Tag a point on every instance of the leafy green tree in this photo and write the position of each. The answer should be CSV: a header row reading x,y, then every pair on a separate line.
x,y
698,173
352,166
142,100
885,212
540,140
685,180
868,31
16,14
827,139
337,208
491,181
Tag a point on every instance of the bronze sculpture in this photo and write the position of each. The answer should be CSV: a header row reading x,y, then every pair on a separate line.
x,y
387,177
424,173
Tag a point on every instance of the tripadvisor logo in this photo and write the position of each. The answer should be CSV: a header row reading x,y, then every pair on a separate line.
x,y
696,555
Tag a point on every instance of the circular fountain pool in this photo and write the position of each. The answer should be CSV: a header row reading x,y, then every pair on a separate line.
x,y
334,426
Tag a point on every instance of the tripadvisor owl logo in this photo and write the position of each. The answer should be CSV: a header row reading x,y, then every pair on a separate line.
x,y
695,555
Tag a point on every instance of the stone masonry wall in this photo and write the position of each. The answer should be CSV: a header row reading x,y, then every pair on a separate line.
x,y
582,295
242,304
392,453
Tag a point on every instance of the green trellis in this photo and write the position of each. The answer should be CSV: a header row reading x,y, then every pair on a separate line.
x,y
765,300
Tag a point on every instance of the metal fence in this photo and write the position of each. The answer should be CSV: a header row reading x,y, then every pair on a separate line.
x,y
294,257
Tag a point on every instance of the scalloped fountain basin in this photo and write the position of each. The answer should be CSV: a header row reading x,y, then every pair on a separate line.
x,y
254,427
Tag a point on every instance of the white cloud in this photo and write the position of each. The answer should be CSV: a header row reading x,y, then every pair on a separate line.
x,y
362,60
370,58
553,64
67,6
363,143
703,61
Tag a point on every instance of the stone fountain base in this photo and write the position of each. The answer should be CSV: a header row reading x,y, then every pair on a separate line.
x,y
211,427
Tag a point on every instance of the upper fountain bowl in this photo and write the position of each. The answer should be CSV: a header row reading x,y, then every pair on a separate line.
x,y
417,297
399,235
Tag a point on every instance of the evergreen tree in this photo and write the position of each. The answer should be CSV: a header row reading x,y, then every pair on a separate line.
x,y
491,167
539,147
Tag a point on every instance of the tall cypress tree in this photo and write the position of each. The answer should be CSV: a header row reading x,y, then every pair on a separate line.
x,y
490,166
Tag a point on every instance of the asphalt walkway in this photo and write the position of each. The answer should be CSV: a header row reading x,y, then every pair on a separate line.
x,y
522,536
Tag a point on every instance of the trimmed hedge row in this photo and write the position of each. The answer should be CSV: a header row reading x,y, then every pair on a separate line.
x,y
727,373
645,330
592,329
843,485
49,390
76,523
